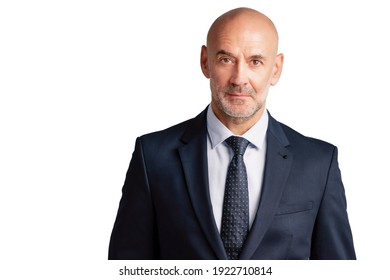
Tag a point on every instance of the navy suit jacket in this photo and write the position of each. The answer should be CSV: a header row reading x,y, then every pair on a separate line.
x,y
165,211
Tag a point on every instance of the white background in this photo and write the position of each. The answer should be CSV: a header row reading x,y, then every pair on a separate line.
x,y
80,80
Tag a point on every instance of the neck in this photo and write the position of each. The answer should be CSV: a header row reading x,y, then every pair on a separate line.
x,y
238,126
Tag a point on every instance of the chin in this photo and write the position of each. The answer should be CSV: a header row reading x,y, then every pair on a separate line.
x,y
240,113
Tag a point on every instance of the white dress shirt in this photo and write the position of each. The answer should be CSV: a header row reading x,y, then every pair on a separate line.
x,y
219,155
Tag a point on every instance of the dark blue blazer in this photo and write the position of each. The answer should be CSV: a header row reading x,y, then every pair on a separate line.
x,y
166,213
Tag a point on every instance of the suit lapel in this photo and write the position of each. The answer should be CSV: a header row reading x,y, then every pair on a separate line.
x,y
277,169
193,157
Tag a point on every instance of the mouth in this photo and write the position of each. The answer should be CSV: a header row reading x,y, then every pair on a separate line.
x,y
238,95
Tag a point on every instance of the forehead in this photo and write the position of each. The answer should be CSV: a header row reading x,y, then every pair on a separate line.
x,y
244,36
246,45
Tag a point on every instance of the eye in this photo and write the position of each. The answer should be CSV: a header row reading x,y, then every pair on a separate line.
x,y
226,60
256,62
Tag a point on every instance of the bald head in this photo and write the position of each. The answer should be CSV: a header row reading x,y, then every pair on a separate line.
x,y
241,21
241,60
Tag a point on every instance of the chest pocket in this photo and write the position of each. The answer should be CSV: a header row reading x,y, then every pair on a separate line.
x,y
294,208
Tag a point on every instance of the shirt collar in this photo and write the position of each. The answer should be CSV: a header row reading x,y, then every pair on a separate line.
x,y
218,132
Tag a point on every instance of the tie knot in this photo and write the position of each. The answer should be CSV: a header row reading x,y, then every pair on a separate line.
x,y
238,144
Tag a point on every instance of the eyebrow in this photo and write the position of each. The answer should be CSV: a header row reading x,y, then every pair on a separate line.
x,y
253,57
257,57
224,53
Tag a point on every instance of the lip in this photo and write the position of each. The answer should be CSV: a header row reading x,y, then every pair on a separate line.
x,y
238,95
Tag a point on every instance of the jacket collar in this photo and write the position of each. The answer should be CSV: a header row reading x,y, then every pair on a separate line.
x,y
277,169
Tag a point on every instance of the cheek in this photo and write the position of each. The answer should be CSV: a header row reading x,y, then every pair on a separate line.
x,y
260,82
258,86
220,76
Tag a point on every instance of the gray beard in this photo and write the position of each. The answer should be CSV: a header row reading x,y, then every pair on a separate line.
x,y
232,114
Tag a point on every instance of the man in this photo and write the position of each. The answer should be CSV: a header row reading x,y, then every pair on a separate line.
x,y
194,192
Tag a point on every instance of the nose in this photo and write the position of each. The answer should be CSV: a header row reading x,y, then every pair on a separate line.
x,y
239,75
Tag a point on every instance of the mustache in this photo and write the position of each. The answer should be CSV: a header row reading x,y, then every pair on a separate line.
x,y
238,89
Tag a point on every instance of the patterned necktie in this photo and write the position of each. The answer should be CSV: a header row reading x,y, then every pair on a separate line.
x,y
235,215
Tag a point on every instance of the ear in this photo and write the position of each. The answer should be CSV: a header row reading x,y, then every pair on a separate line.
x,y
204,62
277,69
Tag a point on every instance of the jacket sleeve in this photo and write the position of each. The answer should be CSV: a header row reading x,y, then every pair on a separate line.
x,y
133,235
332,236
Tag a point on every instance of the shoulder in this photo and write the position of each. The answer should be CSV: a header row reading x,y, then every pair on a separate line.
x,y
297,137
177,133
299,142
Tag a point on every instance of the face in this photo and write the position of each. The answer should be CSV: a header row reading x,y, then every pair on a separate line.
x,y
241,63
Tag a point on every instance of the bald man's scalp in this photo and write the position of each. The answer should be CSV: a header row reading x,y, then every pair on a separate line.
x,y
241,14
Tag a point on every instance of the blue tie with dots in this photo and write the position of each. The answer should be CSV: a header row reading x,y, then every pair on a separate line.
x,y
235,214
